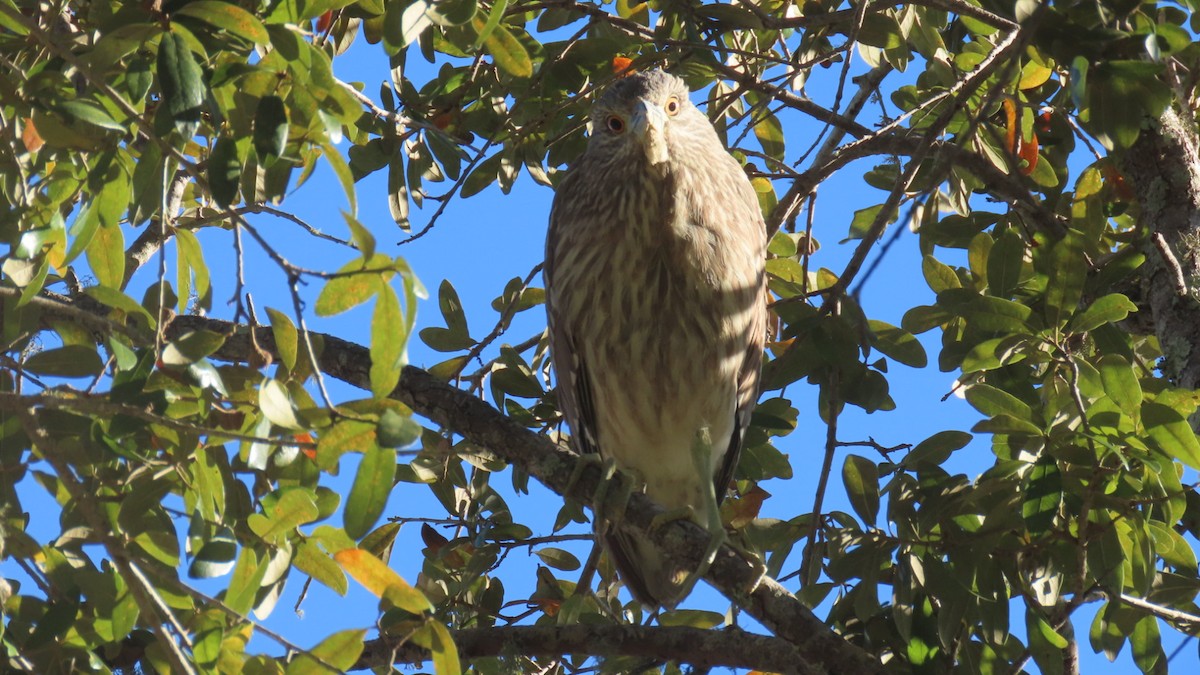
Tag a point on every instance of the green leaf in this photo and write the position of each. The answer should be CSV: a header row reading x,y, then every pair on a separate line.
x,y
149,182
69,361
992,401
358,280
314,562
693,618
388,338
396,430
106,256
118,300
86,111
1108,309
287,338
372,486
937,448
1004,264
228,17
1121,383
276,404
443,650
897,343
1146,644
270,128
361,236
769,132
216,556
340,650
483,175
344,436
452,308
182,84
191,264
1170,432
191,347
451,12
224,171
495,16
861,477
508,52
938,275
344,175
1120,96
558,559
1042,496
244,583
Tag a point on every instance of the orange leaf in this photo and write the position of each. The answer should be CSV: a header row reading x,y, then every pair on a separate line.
x,y
30,137
1121,189
738,513
1029,153
1010,129
621,66
381,580
325,21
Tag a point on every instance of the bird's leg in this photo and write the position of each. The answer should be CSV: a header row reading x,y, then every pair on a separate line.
x,y
711,515
613,489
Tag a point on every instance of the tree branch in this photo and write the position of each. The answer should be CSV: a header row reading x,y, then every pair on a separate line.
x,y
725,648
1164,168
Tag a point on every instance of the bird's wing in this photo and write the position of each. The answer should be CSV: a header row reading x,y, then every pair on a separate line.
x,y
574,387
746,219
747,399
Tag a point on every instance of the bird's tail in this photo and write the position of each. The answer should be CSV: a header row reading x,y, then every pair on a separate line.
x,y
654,579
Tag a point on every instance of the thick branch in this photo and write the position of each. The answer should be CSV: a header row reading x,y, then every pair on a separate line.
x,y
728,648
1164,167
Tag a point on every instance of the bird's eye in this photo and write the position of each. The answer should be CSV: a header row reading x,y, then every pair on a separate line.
x,y
615,124
673,106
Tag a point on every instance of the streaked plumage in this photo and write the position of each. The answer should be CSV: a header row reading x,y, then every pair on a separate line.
x,y
655,299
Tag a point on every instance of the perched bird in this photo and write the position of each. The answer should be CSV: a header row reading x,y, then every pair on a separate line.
x,y
655,296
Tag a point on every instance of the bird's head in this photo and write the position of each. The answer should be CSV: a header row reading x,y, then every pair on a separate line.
x,y
644,116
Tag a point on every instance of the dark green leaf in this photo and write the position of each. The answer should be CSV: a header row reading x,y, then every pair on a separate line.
x,y
897,343
182,84
270,128
69,361
1042,496
224,171
1004,264
558,558
861,478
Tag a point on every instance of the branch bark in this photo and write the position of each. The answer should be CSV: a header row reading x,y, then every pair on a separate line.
x,y
726,648
1164,167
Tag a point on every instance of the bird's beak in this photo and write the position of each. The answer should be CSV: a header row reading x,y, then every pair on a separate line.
x,y
649,126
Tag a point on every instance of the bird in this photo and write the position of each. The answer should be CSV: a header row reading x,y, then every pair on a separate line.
x,y
656,310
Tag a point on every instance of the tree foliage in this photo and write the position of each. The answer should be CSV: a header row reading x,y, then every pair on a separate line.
x,y
1044,154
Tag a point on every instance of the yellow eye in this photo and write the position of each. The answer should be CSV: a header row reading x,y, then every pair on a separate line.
x,y
673,106
615,124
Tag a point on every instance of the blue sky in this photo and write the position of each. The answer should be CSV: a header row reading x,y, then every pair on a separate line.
x,y
484,241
